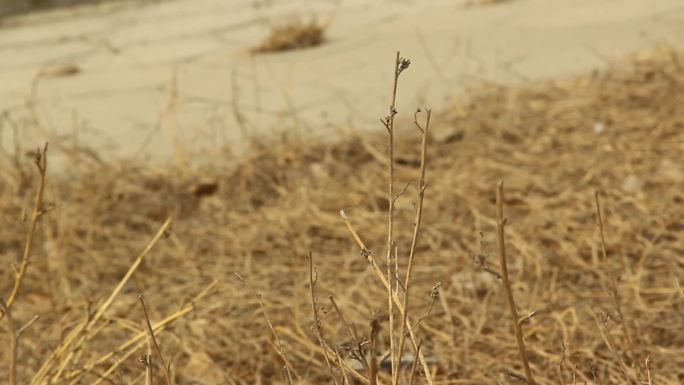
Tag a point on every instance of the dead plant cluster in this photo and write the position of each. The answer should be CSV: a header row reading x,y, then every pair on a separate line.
x,y
295,34
582,286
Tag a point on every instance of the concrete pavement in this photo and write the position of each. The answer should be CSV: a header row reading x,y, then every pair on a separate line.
x,y
156,79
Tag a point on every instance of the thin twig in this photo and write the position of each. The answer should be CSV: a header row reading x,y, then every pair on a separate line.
x,y
313,278
390,214
148,360
13,345
358,349
500,223
165,368
414,367
38,210
416,231
613,289
14,335
373,369
599,218
608,340
338,360
434,296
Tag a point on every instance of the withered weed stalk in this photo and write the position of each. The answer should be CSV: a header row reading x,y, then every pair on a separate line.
x,y
39,209
155,344
396,302
515,318
635,371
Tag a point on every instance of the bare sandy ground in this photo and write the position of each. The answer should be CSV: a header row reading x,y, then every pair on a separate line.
x,y
156,79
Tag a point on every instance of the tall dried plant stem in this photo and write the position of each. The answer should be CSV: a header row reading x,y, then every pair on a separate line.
x,y
416,232
14,342
149,375
500,223
150,331
14,335
614,289
414,367
5,306
389,124
38,210
373,368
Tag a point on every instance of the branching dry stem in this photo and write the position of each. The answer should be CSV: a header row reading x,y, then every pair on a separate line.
x,y
389,124
500,224
38,210
422,186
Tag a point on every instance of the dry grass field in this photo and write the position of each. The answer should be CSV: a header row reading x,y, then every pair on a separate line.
x,y
228,282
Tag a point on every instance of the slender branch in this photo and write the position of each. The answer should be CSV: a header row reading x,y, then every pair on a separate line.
x,y
400,64
373,369
13,346
5,306
38,210
500,223
414,367
338,360
390,214
358,349
14,335
148,361
165,368
416,231
602,322
613,289
313,278
599,218
617,303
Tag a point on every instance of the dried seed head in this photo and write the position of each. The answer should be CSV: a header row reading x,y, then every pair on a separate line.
x,y
434,293
403,64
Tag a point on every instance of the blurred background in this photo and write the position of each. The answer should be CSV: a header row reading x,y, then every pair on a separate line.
x,y
154,80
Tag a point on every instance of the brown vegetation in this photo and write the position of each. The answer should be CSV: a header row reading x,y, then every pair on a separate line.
x,y
601,300
296,34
